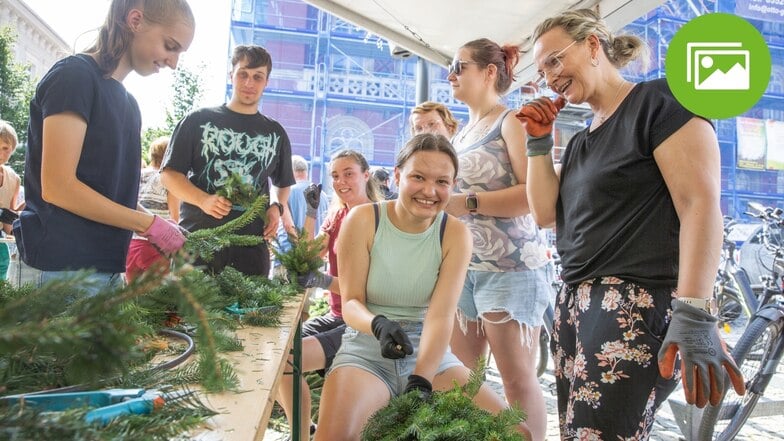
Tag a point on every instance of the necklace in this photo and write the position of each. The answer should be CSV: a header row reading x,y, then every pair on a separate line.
x,y
468,129
603,118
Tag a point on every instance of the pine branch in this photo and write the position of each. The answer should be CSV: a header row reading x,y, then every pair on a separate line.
x,y
206,242
166,423
304,255
447,415
93,338
58,336
238,190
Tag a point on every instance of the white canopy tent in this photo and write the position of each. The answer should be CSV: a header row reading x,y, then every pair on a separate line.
x,y
435,29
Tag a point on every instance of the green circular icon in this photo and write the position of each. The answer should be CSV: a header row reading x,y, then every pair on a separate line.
x,y
718,65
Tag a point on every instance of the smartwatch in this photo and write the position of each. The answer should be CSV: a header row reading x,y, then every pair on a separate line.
x,y
279,205
471,203
708,305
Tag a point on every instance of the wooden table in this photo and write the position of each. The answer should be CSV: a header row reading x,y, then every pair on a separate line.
x,y
244,415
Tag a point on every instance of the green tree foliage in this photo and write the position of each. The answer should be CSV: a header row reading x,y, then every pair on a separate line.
x,y
187,92
188,89
16,91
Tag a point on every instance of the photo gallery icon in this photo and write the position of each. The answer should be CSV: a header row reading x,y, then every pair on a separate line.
x,y
717,66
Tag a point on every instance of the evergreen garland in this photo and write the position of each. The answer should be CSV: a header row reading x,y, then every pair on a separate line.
x,y
446,416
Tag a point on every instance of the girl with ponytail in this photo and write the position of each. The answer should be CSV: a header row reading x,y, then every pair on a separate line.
x,y
84,147
506,290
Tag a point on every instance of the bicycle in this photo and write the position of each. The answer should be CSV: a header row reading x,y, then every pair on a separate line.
x,y
759,350
735,295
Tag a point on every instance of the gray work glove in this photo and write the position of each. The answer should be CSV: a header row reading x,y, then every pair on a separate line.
x,y
314,279
312,199
694,334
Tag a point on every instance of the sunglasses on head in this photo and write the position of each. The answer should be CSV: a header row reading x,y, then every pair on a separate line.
x,y
457,66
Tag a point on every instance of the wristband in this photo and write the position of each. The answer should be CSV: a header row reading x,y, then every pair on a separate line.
x,y
538,146
708,305
279,205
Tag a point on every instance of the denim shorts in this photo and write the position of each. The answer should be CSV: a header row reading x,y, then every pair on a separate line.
x,y
524,295
363,351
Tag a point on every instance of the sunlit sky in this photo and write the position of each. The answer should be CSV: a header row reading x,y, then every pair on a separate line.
x,y
77,21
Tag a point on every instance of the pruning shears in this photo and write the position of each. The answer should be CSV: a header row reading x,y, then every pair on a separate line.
x,y
107,404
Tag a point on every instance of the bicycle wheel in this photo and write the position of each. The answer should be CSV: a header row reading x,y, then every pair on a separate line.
x,y
732,309
729,307
724,421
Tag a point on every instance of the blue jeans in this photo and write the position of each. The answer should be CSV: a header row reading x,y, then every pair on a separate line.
x,y
92,284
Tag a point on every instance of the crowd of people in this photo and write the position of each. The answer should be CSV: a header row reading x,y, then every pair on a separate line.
x,y
634,202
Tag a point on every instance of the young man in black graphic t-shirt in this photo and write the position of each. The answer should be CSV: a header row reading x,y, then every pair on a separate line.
x,y
210,144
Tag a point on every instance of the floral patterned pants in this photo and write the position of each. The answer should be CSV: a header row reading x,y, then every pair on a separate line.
x,y
607,336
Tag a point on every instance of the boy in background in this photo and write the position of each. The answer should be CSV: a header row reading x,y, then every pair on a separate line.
x,y
9,190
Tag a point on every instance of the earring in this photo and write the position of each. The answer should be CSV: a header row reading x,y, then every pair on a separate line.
x,y
594,62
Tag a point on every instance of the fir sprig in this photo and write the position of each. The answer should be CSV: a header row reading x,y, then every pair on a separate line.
x,y
238,190
252,291
61,336
205,243
92,338
304,255
447,415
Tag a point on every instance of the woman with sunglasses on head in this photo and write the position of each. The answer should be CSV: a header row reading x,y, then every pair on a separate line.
x,y
399,310
635,202
506,290
82,164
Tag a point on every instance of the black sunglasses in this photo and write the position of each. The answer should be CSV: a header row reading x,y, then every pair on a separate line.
x,y
457,66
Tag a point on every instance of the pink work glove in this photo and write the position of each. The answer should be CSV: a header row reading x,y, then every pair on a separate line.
x,y
165,235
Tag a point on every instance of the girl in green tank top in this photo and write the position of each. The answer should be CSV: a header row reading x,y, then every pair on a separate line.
x,y
382,356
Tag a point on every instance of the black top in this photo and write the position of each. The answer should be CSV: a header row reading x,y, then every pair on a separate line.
x,y
211,143
614,215
50,238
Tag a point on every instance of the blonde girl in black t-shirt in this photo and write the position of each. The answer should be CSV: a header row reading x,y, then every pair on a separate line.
x,y
635,202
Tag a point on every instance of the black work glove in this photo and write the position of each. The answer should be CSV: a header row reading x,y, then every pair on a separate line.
x,y
7,216
420,385
314,279
394,341
312,199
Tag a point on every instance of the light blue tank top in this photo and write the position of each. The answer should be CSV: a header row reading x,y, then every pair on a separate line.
x,y
403,269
